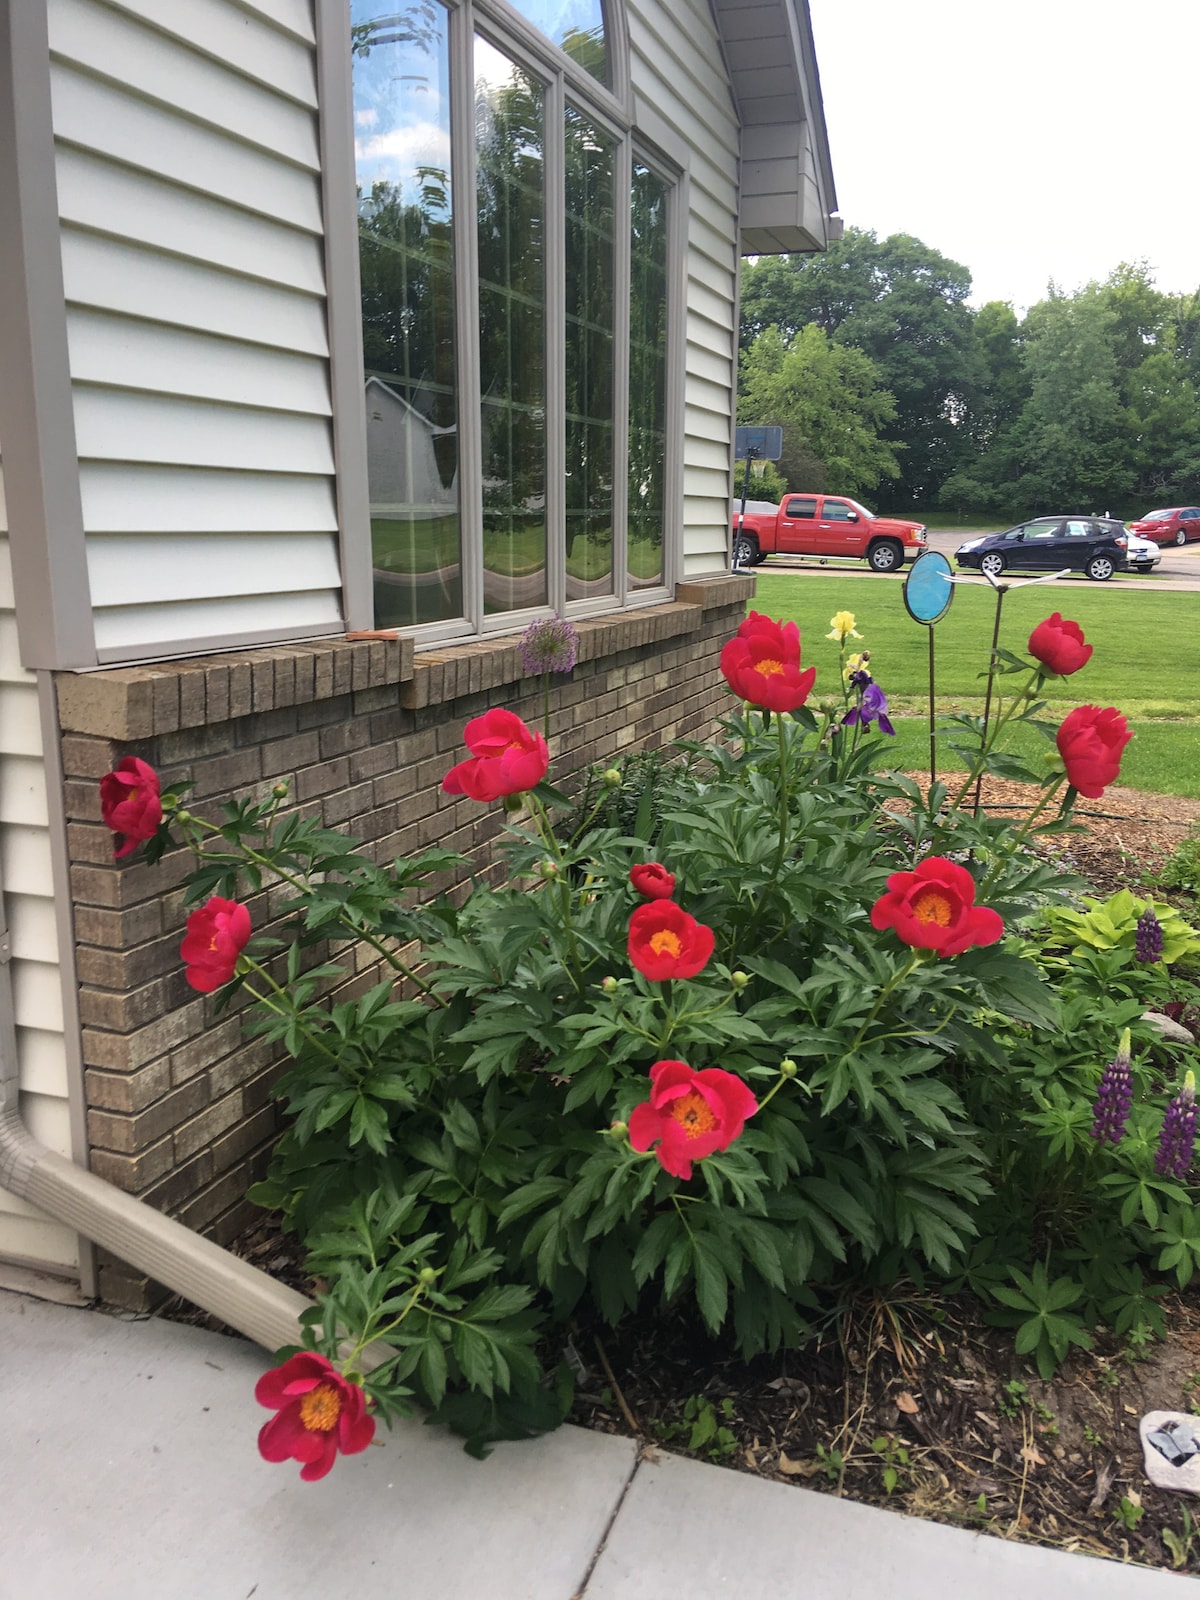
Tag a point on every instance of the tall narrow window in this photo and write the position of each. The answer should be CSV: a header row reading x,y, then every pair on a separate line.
x,y
577,26
406,254
647,377
511,185
590,160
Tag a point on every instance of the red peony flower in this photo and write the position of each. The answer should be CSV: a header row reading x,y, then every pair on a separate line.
x,y
507,758
690,1114
934,908
320,1413
1059,645
1090,741
130,803
216,935
762,664
664,942
652,881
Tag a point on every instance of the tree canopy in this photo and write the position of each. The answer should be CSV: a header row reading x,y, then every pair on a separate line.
x,y
886,381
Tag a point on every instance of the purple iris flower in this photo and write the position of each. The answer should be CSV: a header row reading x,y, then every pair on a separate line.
x,y
871,708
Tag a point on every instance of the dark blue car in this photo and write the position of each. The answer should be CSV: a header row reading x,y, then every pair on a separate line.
x,y
1097,546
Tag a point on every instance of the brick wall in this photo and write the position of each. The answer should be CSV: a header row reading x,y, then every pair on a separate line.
x,y
179,1108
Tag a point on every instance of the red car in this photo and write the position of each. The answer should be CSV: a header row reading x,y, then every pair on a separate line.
x,y
1177,525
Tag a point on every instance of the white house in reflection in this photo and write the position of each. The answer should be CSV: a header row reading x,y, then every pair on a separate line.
x,y
402,457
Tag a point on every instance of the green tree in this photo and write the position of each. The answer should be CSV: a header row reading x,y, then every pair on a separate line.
x,y
903,304
830,403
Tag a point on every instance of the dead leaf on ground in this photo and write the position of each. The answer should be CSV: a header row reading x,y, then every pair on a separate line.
x,y
906,1403
797,1469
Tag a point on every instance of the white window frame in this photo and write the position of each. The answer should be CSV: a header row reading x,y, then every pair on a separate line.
x,y
613,109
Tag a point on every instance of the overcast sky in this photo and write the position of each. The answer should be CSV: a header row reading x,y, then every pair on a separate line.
x,y
1029,140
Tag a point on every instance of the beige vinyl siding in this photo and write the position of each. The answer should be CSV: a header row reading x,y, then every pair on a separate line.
x,y
27,885
188,169
676,68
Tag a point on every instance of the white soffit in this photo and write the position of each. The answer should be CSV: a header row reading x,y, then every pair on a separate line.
x,y
787,188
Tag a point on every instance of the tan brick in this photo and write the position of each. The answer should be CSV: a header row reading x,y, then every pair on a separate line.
x,y
86,757
133,1172
241,688
206,1127
130,1134
205,1051
127,1091
185,1179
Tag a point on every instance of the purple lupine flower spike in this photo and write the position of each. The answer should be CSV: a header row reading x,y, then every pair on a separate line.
x,y
550,644
1177,1140
1148,937
1114,1097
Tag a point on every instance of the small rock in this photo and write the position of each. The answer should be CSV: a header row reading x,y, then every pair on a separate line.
x,y
1175,1429
1175,1031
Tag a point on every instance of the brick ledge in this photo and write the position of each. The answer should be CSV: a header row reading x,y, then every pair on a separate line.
x,y
131,703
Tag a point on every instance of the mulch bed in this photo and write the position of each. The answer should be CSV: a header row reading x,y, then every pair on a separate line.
x,y
905,1399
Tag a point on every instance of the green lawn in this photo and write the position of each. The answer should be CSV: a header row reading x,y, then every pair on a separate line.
x,y
1147,660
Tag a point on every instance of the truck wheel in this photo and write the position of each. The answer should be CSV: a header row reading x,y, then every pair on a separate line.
x,y
745,551
885,556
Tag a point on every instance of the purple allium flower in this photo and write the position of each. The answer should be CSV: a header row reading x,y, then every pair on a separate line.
x,y
871,708
1178,1136
550,644
1114,1097
1148,937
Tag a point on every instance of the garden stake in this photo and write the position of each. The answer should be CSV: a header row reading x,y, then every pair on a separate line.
x,y
932,742
1001,591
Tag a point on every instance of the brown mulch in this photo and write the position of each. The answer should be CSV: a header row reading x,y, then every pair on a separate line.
x,y
1124,835
921,1385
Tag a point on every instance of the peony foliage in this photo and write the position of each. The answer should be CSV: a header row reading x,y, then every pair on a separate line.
x,y
784,1022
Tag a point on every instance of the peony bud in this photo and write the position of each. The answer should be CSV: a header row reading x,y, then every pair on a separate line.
x,y
609,985
280,791
611,779
788,1068
547,869
618,1130
739,980
427,1277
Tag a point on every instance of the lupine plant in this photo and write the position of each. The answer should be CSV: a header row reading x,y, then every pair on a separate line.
x,y
789,1027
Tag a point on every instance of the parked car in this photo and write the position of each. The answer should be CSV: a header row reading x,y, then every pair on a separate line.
x,y
1175,525
1143,555
824,525
1097,546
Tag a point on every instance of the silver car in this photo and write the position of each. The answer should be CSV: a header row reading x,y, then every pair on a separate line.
x,y
1143,555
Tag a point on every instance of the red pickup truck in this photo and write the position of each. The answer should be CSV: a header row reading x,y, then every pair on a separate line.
x,y
823,525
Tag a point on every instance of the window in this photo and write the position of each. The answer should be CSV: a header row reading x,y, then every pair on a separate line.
x,y
802,510
838,511
515,258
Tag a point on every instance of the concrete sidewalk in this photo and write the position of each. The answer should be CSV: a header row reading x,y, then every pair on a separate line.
x,y
128,1471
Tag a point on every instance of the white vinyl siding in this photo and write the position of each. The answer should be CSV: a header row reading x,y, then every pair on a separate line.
x,y
188,170
676,68
27,885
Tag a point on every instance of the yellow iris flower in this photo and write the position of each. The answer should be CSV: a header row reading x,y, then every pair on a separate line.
x,y
855,663
842,626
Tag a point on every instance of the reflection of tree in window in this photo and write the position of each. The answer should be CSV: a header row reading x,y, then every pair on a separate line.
x,y
511,186
589,357
406,257
647,376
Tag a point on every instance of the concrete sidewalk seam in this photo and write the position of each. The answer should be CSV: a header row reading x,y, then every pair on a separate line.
x,y
581,1592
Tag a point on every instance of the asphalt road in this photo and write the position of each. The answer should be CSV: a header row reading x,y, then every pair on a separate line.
x,y
1179,568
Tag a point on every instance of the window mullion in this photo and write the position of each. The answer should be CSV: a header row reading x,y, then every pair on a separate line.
x,y
556,345
623,179
466,257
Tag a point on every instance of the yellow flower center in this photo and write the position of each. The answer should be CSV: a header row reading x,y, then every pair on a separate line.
x,y
693,1114
768,668
665,943
321,1408
933,905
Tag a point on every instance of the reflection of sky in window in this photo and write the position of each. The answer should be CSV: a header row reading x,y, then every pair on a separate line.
x,y
494,71
557,18
576,25
401,98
